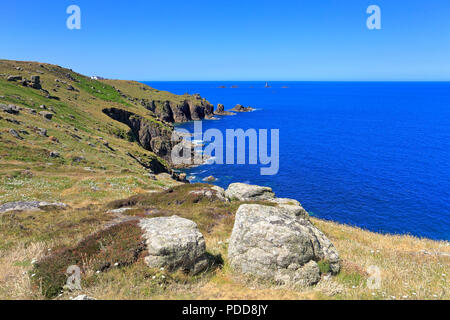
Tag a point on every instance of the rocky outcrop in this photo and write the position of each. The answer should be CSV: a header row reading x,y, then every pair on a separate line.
x,y
292,206
14,78
220,111
246,192
11,109
47,115
174,243
185,111
271,243
151,135
31,206
212,193
241,108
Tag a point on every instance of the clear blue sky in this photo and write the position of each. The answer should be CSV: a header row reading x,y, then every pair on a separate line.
x,y
233,40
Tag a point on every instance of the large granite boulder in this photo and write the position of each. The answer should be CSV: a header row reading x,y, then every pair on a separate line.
x,y
31,206
292,206
272,243
174,243
246,192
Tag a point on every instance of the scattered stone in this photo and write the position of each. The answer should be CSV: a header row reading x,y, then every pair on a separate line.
x,y
42,132
36,82
11,109
120,210
14,78
47,115
84,297
54,154
174,243
53,139
246,192
209,179
15,134
271,243
182,177
220,193
78,158
31,206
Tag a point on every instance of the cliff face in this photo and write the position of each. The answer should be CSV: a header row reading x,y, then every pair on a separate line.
x,y
150,134
178,112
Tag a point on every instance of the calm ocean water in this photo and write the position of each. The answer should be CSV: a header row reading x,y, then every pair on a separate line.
x,y
373,155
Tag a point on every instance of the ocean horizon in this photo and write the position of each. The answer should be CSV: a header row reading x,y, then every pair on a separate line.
x,y
371,154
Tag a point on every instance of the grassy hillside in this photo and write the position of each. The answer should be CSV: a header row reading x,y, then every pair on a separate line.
x,y
410,268
93,148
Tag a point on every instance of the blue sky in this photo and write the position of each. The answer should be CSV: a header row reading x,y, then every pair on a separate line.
x,y
233,40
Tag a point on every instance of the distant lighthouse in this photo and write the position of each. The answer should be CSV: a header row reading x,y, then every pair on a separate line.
x,y
267,85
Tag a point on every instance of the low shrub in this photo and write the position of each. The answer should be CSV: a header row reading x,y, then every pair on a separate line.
x,y
116,246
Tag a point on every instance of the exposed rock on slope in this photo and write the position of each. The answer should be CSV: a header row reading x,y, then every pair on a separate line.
x,y
174,243
245,192
271,243
187,110
151,135
30,206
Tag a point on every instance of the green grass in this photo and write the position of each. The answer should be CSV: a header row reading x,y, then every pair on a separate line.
x,y
100,90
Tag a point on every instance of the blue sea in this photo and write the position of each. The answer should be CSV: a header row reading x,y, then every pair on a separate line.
x,y
370,154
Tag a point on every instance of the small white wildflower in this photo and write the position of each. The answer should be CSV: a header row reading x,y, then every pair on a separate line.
x,y
373,293
154,277
220,242
354,287
435,295
371,251
444,275
33,261
163,277
405,297
162,269
393,297
116,264
33,274
98,271
414,294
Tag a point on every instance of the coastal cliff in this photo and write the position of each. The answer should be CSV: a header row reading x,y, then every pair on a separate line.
x,y
86,180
